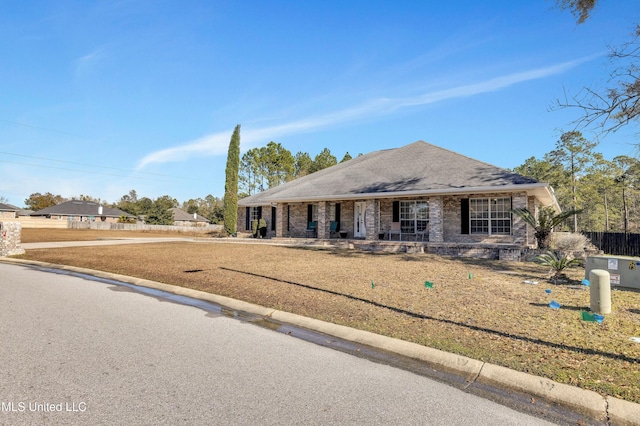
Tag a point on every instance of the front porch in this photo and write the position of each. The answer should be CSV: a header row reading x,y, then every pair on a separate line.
x,y
500,251
447,225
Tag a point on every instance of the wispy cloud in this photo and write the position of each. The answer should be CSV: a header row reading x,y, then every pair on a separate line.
x,y
217,144
85,64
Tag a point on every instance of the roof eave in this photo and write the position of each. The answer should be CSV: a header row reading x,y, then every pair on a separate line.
x,y
542,191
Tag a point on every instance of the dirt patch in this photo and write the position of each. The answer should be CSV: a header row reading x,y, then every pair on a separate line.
x,y
488,310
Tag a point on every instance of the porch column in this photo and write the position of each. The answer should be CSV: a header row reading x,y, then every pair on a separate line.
x,y
323,220
436,222
281,220
371,219
519,228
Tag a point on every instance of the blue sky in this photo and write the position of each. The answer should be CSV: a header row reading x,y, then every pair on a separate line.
x,y
102,97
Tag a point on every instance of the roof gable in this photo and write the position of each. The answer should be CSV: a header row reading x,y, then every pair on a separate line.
x,y
417,168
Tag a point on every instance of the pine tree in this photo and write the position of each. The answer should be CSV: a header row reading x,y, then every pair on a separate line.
x,y
231,184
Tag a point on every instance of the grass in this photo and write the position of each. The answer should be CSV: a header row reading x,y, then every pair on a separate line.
x,y
482,309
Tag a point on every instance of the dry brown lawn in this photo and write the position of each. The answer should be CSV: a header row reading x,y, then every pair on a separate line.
x,y
478,308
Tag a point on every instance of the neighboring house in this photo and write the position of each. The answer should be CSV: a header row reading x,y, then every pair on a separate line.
x,y
7,211
418,192
182,218
83,211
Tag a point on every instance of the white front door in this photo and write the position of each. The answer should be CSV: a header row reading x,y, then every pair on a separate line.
x,y
359,229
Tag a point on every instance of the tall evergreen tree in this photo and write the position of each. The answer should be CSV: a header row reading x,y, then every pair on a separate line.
x,y
303,163
249,177
278,164
231,184
575,153
346,157
323,160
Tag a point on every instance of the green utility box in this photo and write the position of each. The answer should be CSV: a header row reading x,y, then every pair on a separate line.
x,y
624,270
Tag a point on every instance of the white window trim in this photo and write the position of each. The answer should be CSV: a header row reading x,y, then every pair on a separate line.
x,y
413,227
490,216
253,214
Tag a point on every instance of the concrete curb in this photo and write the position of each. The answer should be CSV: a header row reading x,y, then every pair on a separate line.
x,y
576,399
467,367
608,409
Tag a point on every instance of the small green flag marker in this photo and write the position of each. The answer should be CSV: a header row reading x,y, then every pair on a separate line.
x,y
586,316
428,284
373,284
470,275
591,317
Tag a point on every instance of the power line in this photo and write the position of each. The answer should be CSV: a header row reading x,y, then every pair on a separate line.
x,y
81,164
81,171
47,129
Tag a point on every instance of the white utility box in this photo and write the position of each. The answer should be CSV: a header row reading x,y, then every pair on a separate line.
x,y
623,270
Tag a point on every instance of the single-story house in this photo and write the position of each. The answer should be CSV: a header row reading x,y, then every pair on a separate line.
x,y
83,211
182,218
7,211
418,192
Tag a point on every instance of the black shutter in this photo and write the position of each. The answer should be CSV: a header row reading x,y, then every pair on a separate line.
x,y
259,212
273,218
247,220
288,217
396,211
338,216
464,216
309,213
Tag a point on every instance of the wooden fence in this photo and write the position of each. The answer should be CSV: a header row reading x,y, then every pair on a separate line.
x,y
615,243
33,222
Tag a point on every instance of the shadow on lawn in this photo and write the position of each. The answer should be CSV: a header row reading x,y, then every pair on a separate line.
x,y
576,349
565,307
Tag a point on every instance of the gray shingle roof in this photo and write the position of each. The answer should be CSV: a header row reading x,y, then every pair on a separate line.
x,y
415,169
8,208
181,215
80,208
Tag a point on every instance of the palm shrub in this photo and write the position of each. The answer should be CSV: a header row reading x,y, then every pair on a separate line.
x,y
557,263
545,222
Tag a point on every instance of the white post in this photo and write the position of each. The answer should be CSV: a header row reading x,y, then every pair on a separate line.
x,y
600,291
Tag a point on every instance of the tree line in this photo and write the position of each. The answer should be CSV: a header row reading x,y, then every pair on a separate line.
x,y
272,165
155,212
260,169
607,191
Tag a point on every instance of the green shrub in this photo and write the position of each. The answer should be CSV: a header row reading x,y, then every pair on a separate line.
x,y
557,263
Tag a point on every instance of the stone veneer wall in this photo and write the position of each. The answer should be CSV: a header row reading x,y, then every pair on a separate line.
x,y
6,215
10,233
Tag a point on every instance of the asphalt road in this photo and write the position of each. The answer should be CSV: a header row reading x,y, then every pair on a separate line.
x,y
76,351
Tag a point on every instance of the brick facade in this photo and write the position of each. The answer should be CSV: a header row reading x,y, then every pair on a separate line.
x,y
445,217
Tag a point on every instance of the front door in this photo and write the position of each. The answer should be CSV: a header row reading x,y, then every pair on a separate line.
x,y
359,229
